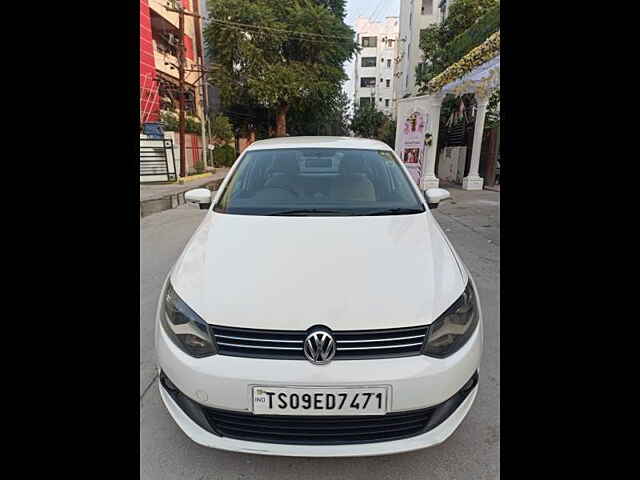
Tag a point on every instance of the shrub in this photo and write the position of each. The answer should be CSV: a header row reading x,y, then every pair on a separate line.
x,y
171,123
224,156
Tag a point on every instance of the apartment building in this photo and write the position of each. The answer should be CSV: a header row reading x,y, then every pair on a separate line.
x,y
375,65
415,15
159,35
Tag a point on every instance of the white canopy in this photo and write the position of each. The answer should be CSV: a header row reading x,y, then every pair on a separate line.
x,y
485,76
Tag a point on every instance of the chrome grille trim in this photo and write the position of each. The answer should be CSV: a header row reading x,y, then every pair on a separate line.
x,y
258,339
382,339
288,344
383,346
258,346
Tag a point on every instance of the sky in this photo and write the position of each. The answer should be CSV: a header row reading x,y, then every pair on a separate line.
x,y
373,9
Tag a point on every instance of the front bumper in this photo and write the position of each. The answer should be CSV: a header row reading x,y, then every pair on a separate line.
x,y
224,382
192,419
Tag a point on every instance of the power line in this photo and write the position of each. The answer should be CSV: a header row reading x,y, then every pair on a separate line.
x,y
290,37
375,10
262,27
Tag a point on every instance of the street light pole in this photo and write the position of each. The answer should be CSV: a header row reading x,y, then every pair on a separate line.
x,y
181,128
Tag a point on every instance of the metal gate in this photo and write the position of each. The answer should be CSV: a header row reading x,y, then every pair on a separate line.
x,y
157,162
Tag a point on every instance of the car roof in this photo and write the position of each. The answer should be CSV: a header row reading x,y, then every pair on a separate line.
x,y
319,142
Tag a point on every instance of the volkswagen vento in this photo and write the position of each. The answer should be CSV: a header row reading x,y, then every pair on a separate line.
x,y
318,309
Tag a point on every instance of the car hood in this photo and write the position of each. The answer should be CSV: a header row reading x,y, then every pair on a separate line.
x,y
291,273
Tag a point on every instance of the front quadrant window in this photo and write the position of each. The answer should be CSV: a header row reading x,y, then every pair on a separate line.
x,y
368,62
368,82
369,41
319,182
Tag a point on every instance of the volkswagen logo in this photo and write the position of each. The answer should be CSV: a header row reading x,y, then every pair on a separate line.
x,y
319,347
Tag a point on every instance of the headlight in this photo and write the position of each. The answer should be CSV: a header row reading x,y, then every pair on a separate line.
x,y
454,327
185,327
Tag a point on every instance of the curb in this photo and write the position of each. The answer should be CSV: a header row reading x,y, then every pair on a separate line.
x,y
184,180
156,205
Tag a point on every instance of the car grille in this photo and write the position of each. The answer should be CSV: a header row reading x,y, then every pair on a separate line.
x,y
350,344
325,430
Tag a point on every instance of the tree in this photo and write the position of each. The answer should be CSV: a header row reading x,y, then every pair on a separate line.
x,y
279,55
388,132
221,129
367,120
322,116
442,44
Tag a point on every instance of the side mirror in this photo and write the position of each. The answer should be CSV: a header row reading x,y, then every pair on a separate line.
x,y
434,196
201,196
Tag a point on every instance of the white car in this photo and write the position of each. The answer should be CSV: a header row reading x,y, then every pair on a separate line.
x,y
318,312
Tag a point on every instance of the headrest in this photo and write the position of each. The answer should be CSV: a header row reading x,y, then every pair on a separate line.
x,y
285,162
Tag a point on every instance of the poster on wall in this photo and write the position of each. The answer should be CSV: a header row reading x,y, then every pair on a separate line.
x,y
412,126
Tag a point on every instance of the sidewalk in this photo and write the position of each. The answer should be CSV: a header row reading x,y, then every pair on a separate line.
x,y
477,210
156,198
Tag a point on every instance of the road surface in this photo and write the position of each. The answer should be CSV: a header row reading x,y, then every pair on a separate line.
x,y
472,223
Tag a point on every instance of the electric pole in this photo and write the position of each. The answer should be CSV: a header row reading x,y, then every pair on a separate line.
x,y
181,71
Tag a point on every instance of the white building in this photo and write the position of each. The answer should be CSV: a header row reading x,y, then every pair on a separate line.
x,y
374,69
415,15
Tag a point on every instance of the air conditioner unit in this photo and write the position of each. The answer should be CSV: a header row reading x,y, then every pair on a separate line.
x,y
173,40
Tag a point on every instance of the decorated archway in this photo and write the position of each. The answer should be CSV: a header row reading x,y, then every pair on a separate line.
x,y
477,73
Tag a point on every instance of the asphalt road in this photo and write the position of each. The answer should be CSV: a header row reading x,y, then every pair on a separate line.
x,y
472,222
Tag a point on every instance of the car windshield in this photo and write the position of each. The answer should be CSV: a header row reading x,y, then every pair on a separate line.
x,y
319,182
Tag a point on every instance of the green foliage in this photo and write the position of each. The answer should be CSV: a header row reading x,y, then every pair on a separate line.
x,y
492,118
367,120
388,133
472,37
221,129
192,125
275,70
170,122
199,166
224,156
327,115
470,22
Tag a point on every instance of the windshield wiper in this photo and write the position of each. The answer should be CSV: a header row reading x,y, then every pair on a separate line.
x,y
306,212
393,211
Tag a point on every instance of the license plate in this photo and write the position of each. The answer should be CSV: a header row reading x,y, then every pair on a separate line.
x,y
319,400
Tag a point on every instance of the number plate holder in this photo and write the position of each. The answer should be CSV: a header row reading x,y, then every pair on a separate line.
x,y
320,401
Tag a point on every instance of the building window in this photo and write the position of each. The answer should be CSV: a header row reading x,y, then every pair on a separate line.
x,y
381,100
390,43
369,41
381,80
366,82
388,83
368,62
365,101
388,63
386,102
427,7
